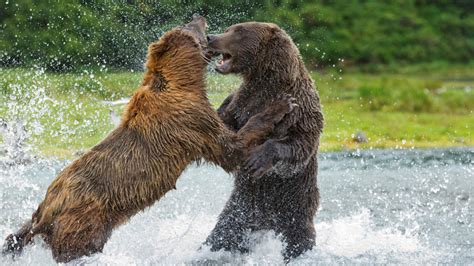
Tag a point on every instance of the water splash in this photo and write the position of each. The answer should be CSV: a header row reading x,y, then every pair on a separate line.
x,y
14,149
36,114
368,214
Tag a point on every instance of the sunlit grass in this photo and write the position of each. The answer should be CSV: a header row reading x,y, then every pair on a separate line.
x,y
74,118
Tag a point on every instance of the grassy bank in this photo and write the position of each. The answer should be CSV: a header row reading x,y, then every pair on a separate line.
x,y
422,106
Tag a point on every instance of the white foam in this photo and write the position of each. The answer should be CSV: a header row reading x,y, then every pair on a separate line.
x,y
355,236
178,240
151,240
173,230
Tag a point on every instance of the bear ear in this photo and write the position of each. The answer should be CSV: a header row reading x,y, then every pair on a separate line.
x,y
274,29
157,49
277,36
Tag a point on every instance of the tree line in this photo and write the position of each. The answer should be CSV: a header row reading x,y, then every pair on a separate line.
x,y
71,34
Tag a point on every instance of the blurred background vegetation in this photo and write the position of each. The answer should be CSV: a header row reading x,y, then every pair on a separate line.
x,y
65,35
390,73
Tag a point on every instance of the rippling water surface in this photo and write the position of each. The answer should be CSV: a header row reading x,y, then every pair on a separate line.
x,y
380,206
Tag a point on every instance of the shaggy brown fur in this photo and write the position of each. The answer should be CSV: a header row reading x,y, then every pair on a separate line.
x,y
277,189
168,124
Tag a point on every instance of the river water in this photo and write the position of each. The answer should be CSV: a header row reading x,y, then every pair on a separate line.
x,y
377,206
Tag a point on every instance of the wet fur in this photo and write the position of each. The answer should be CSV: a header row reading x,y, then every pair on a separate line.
x,y
285,198
167,124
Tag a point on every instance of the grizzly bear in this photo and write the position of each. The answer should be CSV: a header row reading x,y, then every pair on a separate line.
x,y
167,124
276,188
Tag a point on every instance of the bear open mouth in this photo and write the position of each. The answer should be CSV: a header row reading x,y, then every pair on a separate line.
x,y
224,63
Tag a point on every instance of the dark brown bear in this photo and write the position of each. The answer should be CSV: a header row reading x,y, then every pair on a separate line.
x,y
277,187
167,124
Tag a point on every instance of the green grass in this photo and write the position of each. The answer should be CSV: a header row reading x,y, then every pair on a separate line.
x,y
415,106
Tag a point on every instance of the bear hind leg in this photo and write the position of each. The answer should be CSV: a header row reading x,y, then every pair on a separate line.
x,y
228,239
298,240
78,233
231,230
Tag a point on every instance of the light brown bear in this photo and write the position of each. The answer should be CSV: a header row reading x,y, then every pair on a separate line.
x,y
167,124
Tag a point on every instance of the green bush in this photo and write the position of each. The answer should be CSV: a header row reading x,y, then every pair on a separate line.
x,y
376,32
65,35
58,35
457,100
413,100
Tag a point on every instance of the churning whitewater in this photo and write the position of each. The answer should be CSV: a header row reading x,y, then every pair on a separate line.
x,y
377,206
